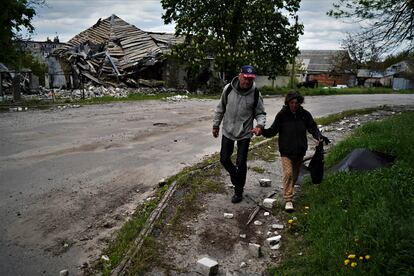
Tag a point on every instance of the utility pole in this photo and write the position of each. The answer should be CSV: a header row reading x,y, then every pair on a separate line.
x,y
292,73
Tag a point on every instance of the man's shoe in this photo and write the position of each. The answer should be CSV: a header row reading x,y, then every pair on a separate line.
x,y
236,198
289,207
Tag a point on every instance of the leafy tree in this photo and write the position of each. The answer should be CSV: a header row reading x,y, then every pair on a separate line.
x,y
235,32
15,15
385,23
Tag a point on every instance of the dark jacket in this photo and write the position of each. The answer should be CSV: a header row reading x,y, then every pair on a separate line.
x,y
292,129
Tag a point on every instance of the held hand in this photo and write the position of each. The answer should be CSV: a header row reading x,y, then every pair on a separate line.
x,y
256,131
215,132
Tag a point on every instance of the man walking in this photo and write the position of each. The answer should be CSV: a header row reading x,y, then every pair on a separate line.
x,y
239,105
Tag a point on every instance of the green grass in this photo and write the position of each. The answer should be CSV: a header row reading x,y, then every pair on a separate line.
x,y
267,90
257,169
361,213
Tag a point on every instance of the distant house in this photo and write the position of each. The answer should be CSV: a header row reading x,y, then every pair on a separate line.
x,y
398,76
314,67
41,49
402,74
318,65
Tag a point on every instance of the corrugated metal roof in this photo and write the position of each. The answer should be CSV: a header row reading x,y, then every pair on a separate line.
x,y
122,45
318,60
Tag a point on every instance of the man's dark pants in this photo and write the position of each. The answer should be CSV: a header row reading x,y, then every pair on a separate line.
x,y
237,172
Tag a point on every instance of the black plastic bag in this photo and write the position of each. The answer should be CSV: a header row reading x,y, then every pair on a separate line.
x,y
316,165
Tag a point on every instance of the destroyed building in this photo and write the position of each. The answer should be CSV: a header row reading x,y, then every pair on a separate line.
x,y
114,51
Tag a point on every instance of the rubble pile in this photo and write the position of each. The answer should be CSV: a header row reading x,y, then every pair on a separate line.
x,y
92,91
115,49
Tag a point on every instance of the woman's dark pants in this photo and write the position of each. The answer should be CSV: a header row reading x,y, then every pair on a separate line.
x,y
237,172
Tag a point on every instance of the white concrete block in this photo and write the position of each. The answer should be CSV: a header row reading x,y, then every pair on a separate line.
x,y
264,182
228,215
207,266
275,247
274,240
269,202
277,226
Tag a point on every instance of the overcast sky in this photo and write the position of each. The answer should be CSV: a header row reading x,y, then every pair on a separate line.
x,y
66,18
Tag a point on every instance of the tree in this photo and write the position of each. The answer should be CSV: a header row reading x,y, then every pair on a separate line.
x,y
385,23
356,55
235,32
15,15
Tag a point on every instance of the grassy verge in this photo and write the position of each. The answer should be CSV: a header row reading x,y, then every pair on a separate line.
x,y
358,223
267,90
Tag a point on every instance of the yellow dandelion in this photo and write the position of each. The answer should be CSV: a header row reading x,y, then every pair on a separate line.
x,y
290,221
307,207
354,264
367,257
351,256
346,262
361,258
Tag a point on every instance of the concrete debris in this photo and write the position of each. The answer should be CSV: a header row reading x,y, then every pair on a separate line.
x,y
162,182
276,246
105,258
350,123
243,264
277,226
269,202
18,109
207,266
176,98
94,91
265,182
64,272
266,214
255,250
258,222
243,236
274,240
228,215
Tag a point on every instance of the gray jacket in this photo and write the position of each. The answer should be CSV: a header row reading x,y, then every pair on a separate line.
x,y
237,114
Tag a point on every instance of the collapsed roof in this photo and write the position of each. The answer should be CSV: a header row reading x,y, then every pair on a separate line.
x,y
113,47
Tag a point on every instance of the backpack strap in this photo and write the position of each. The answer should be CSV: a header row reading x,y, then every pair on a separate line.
x,y
256,97
226,95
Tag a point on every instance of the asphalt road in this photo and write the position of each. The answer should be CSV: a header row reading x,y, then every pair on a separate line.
x,y
69,178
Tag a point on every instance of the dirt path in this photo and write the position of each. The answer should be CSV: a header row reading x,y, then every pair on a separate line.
x,y
70,177
208,233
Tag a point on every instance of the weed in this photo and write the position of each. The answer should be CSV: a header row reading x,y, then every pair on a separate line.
x,y
358,222
257,169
